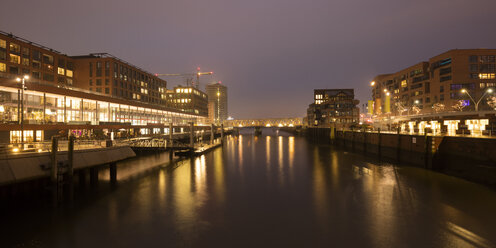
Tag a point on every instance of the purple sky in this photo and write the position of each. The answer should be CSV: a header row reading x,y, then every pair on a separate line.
x,y
271,54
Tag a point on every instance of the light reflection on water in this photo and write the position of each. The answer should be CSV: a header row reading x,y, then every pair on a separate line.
x,y
277,191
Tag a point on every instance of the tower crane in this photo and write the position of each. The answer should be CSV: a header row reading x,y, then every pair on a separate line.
x,y
190,75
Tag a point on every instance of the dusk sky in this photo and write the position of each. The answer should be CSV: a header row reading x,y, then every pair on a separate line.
x,y
270,54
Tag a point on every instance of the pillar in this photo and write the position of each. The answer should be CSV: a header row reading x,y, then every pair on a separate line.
x,y
113,173
93,176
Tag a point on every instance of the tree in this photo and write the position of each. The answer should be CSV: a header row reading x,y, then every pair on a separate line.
x,y
459,105
491,101
416,109
438,107
400,107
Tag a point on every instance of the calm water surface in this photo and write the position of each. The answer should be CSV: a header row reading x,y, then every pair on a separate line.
x,y
269,191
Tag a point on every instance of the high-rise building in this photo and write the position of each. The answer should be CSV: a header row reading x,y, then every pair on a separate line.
x,y
450,82
333,107
217,102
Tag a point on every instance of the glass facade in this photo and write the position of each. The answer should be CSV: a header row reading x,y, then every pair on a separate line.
x,y
47,108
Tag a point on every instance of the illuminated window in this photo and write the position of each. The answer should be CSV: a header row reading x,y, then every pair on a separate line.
x,y
69,73
25,61
487,76
14,48
3,67
61,71
15,59
404,84
3,44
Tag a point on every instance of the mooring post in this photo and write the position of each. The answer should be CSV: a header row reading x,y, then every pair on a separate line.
x,y
70,167
93,176
171,132
113,173
54,170
398,148
426,152
332,134
212,134
379,142
222,133
352,139
191,135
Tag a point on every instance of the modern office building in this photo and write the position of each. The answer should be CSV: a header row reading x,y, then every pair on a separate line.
x,y
444,83
58,98
336,107
106,74
217,102
189,100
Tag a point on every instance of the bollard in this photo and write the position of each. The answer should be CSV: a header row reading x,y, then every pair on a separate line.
x,y
212,134
54,170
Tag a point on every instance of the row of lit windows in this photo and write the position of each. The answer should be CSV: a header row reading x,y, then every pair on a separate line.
x,y
16,57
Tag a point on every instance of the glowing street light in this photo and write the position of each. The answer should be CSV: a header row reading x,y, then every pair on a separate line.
x,y
488,91
372,83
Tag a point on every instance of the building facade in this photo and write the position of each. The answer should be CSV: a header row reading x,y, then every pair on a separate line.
x,y
87,96
217,102
189,100
449,82
109,75
19,57
333,107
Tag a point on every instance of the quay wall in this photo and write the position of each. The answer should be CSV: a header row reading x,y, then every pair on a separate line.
x,y
471,158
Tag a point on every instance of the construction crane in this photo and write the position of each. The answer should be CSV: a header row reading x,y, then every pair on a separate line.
x,y
189,75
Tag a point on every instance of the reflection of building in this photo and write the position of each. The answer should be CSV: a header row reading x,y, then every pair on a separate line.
x,y
189,100
435,86
333,106
217,100
54,103
106,74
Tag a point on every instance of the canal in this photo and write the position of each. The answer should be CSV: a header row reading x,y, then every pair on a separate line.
x,y
273,190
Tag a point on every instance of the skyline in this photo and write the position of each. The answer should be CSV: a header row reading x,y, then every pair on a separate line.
x,y
273,61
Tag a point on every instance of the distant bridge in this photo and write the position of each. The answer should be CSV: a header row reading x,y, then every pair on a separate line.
x,y
272,122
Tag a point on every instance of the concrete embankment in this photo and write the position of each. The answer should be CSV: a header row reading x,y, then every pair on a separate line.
x,y
471,158
16,168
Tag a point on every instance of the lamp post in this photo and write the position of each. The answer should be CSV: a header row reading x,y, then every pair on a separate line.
x,y
218,106
23,86
480,99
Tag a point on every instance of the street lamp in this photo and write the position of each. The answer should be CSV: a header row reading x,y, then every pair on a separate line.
x,y
488,91
218,106
23,87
